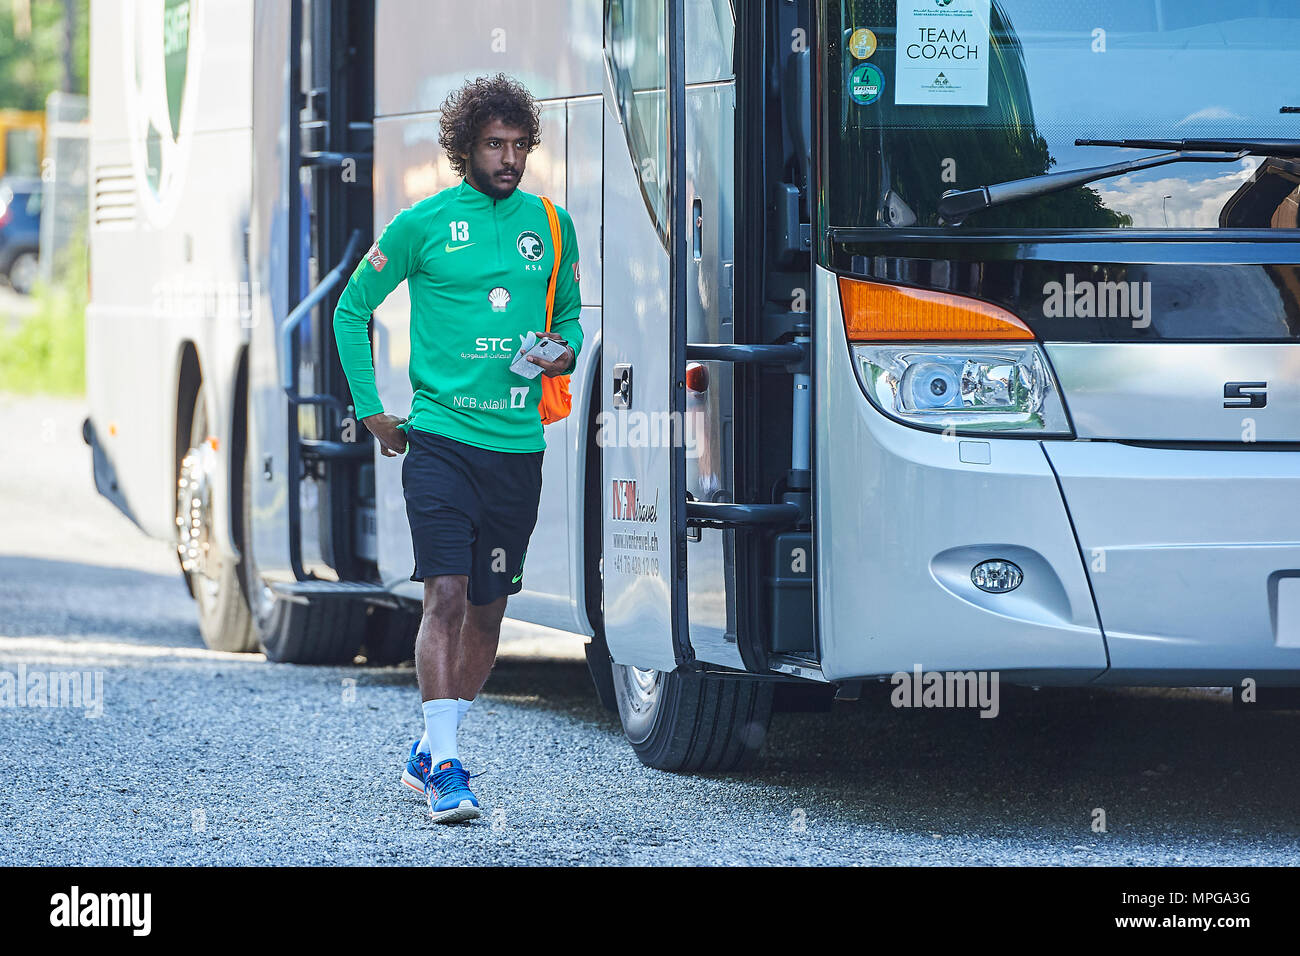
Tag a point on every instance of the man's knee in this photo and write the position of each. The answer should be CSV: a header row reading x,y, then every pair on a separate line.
x,y
444,599
486,617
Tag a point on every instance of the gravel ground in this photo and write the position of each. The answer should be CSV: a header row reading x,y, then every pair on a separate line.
x,y
208,758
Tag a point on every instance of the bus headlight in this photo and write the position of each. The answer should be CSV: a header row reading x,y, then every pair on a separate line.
x,y
966,388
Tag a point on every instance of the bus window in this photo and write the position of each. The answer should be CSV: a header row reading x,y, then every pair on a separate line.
x,y
710,36
638,62
955,103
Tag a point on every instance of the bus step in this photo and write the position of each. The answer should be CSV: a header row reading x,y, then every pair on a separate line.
x,y
304,591
796,666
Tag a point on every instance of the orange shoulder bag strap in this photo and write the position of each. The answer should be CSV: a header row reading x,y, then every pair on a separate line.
x,y
556,401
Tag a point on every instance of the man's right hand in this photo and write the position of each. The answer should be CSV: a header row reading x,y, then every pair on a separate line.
x,y
392,440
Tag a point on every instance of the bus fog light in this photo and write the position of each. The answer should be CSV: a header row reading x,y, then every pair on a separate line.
x,y
997,576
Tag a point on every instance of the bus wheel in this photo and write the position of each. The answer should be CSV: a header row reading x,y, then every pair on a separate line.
x,y
212,577
320,631
692,722
390,636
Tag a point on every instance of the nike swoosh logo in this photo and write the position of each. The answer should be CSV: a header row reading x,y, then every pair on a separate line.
x,y
450,248
517,578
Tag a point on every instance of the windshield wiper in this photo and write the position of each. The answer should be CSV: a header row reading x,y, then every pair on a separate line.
x,y
1253,147
956,205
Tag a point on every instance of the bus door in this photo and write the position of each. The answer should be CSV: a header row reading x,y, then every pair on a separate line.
x,y
643,360
679,524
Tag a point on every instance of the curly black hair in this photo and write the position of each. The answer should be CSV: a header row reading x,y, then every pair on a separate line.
x,y
466,110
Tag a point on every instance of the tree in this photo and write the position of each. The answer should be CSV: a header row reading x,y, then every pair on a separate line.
x,y
32,62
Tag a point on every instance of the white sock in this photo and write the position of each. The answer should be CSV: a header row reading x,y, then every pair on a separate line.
x,y
440,729
462,707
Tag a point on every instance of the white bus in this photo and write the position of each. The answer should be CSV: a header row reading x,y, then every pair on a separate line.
x,y
945,334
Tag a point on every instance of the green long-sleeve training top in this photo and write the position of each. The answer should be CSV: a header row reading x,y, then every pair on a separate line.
x,y
477,270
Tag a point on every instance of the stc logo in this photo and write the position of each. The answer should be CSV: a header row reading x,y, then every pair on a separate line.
x,y
493,344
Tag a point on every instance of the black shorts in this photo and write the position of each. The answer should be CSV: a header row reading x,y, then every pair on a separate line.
x,y
471,511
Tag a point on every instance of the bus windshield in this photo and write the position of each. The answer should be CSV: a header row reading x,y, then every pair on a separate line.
x,y
923,97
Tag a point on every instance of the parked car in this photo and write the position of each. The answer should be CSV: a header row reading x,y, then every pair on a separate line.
x,y
20,228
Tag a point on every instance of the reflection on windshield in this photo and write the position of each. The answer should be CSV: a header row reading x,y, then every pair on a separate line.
x,y
1271,195
1056,73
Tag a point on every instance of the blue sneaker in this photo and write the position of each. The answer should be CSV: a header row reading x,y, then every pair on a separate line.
x,y
418,765
450,798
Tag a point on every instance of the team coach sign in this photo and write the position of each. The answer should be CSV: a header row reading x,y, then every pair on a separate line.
x,y
943,53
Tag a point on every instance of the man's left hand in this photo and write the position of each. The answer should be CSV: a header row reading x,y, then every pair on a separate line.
x,y
561,365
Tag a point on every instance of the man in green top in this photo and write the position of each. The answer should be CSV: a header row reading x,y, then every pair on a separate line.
x,y
477,259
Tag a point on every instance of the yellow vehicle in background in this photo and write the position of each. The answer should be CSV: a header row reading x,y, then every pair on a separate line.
x,y
22,142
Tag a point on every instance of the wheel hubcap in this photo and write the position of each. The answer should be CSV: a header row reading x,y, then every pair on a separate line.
x,y
194,519
643,682
638,691
642,686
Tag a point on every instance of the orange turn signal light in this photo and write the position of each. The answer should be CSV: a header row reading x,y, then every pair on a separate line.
x,y
877,312
697,376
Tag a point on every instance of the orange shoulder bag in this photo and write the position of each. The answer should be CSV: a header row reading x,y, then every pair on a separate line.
x,y
556,401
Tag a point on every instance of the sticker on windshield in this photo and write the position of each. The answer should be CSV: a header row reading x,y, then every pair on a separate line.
x,y
866,83
862,43
943,53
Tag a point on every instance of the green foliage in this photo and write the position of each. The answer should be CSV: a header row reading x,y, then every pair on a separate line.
x,y
46,354
31,67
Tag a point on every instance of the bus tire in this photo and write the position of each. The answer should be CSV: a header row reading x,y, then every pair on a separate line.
x,y
321,631
692,722
390,636
213,578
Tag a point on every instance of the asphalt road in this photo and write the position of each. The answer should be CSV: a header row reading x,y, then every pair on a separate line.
x,y
207,758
